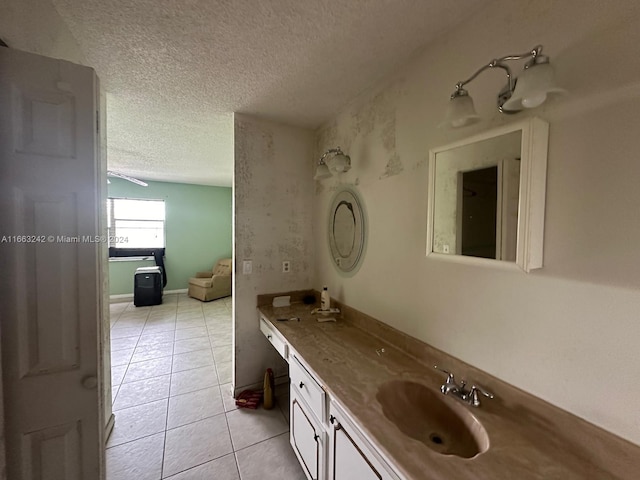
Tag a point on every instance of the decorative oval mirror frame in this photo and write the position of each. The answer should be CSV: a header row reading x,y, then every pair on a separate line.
x,y
531,197
346,230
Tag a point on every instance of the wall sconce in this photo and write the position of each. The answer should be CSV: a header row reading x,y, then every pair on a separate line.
x,y
332,162
529,90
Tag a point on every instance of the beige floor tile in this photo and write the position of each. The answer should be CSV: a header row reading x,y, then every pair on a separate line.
x,y
134,314
194,332
191,323
121,357
222,329
253,426
270,460
191,344
194,406
224,372
139,460
151,351
189,360
222,354
159,327
195,444
148,369
117,307
194,379
137,422
117,374
129,323
224,468
196,314
221,320
144,391
220,339
122,343
160,320
156,338
119,332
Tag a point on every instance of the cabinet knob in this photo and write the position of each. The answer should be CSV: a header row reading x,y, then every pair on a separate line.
x,y
269,337
332,419
316,437
301,384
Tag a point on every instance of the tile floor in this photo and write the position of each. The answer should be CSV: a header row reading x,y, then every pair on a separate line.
x,y
175,416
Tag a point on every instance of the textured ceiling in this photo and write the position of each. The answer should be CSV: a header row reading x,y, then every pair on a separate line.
x,y
174,70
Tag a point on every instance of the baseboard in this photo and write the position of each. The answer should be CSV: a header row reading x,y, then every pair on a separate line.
x,y
128,297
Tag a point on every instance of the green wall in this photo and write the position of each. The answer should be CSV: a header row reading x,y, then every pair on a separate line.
x,y
198,231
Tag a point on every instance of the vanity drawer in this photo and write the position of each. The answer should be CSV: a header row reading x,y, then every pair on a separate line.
x,y
307,388
276,340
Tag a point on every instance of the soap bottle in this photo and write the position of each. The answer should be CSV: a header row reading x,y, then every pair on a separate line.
x,y
325,299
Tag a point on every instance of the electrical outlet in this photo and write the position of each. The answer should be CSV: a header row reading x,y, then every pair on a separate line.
x,y
445,248
286,266
247,267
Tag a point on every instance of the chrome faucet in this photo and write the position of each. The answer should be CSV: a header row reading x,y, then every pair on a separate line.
x,y
470,396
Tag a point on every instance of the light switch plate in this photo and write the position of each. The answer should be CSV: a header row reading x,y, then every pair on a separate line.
x,y
247,267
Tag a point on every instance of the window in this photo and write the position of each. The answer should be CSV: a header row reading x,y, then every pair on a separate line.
x,y
135,224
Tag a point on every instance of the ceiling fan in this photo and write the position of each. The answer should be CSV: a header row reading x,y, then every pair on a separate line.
x,y
125,177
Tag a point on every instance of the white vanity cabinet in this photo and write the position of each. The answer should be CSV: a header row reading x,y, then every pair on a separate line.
x,y
351,456
328,444
307,433
275,338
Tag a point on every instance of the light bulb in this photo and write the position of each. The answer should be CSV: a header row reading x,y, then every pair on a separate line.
x,y
535,100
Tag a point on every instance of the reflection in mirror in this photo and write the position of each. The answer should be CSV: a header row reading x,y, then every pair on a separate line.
x,y
346,230
476,198
487,196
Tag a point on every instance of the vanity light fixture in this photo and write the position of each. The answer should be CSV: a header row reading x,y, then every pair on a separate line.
x,y
529,90
332,162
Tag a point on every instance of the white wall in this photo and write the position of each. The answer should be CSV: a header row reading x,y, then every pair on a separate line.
x,y
569,332
273,196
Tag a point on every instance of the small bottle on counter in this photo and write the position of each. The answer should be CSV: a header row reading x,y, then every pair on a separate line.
x,y
325,299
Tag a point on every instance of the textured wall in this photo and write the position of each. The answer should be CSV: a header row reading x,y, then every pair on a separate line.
x,y
197,231
273,195
568,332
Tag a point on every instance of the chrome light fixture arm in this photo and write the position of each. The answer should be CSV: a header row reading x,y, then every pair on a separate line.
x,y
507,91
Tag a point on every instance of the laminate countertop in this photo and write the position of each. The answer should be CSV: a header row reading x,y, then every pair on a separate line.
x,y
528,438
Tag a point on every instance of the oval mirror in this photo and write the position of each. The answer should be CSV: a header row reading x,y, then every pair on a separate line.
x,y
346,230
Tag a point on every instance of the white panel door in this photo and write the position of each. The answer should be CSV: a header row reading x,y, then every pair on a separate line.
x,y
349,461
50,302
306,439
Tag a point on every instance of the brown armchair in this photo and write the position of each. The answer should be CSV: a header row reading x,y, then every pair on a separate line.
x,y
216,283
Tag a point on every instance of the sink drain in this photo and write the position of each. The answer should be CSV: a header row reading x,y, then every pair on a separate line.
x,y
435,438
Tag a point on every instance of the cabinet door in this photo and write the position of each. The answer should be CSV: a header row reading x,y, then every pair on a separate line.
x,y
349,462
307,440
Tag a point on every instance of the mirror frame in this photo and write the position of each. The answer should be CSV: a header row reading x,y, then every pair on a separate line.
x,y
360,216
531,201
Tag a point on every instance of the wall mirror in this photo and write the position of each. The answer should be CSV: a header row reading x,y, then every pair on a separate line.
x,y
487,196
346,230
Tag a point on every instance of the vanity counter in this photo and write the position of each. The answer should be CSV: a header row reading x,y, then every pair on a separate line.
x,y
529,438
